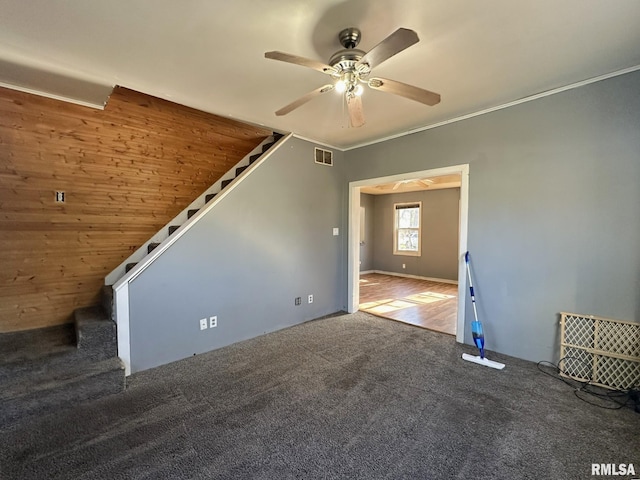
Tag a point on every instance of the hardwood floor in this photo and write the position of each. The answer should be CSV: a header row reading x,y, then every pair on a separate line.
x,y
423,303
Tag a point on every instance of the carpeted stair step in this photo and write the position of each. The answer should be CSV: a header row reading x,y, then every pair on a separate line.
x,y
209,197
50,387
239,170
44,370
152,246
173,228
277,136
226,182
129,266
253,158
24,351
192,212
95,333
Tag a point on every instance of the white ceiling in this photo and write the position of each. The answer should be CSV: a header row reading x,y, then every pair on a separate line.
x,y
209,54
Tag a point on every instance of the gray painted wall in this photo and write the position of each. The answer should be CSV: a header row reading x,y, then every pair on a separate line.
x,y
554,207
554,224
439,248
269,241
367,246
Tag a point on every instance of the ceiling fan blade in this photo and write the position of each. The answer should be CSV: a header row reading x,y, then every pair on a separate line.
x,y
354,105
394,43
404,90
305,62
304,99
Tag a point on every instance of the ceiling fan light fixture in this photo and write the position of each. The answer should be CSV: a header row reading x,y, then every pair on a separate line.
x,y
350,67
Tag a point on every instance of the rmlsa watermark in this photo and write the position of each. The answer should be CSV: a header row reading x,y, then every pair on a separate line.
x,y
612,469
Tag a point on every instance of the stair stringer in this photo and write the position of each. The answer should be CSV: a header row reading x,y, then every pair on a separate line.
x,y
121,285
182,218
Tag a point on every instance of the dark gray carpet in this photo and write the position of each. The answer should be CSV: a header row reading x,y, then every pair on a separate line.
x,y
352,396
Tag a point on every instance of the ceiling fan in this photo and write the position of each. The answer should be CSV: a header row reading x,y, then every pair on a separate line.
x,y
350,69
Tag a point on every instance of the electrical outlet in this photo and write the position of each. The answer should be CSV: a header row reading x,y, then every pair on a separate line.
x,y
298,301
404,265
203,323
310,298
213,322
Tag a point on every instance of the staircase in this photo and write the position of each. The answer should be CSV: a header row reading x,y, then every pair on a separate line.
x,y
42,371
45,370
197,206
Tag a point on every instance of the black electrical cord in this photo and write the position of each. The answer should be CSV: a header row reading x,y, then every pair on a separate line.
x,y
621,398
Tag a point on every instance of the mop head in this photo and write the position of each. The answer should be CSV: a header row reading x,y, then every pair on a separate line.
x,y
482,361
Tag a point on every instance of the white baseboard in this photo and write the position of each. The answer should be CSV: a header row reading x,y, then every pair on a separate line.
x,y
365,272
417,277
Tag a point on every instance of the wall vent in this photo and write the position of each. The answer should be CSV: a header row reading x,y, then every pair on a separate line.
x,y
324,157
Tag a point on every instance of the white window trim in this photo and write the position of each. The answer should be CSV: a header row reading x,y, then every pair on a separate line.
x,y
406,253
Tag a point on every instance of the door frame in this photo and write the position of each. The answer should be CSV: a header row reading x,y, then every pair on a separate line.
x,y
353,258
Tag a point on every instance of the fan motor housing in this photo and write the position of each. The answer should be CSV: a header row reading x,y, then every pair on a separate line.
x,y
350,37
346,59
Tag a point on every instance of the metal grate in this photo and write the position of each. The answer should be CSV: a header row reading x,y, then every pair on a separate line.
x,y
324,157
600,350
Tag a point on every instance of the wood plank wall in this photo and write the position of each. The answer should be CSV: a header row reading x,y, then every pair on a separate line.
x,y
126,171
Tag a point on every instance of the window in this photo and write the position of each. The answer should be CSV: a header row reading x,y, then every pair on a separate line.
x,y
406,232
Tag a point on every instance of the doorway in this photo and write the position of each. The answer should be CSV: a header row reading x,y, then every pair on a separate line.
x,y
353,282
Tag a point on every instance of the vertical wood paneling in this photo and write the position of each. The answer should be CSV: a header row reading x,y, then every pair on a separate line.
x,y
125,171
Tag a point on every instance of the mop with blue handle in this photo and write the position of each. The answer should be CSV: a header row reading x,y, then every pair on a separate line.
x,y
476,329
